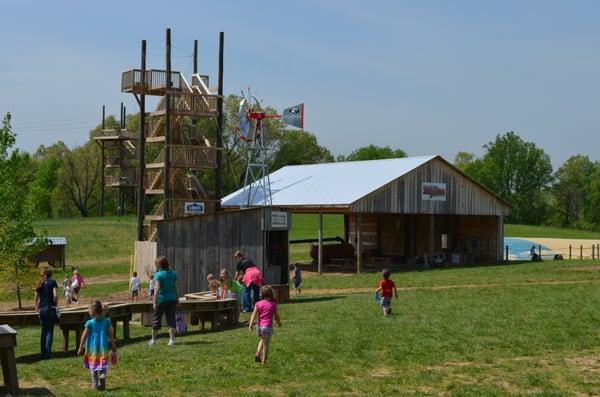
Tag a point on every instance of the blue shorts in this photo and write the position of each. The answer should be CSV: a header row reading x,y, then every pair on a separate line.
x,y
386,301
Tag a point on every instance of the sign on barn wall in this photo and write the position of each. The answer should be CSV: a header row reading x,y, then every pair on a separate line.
x,y
194,208
279,220
433,191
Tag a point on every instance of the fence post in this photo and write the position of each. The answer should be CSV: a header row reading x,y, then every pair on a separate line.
x,y
580,252
593,251
540,251
570,249
506,249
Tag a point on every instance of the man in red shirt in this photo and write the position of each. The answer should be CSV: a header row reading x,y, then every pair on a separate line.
x,y
386,287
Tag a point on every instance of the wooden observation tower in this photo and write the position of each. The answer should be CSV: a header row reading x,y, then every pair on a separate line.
x,y
119,163
172,131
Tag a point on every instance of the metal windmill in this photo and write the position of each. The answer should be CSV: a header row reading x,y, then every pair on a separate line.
x,y
250,129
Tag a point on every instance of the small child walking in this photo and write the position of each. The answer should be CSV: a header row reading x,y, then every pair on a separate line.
x,y
68,290
134,287
386,288
263,314
151,287
97,334
297,278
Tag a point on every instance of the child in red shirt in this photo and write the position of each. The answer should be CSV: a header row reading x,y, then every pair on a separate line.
x,y
386,287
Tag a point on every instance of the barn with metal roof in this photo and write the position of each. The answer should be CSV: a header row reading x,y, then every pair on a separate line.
x,y
415,210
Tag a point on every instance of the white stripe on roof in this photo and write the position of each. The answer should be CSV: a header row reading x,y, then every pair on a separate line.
x,y
328,184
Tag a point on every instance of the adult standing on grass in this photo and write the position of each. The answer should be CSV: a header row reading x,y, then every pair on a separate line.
x,y
46,300
252,289
165,299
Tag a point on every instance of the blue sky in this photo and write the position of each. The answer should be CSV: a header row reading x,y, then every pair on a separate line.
x,y
428,77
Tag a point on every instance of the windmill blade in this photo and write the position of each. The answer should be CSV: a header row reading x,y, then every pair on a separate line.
x,y
294,116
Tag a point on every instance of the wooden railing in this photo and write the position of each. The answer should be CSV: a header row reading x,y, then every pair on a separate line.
x,y
196,78
194,104
116,180
154,82
193,157
123,134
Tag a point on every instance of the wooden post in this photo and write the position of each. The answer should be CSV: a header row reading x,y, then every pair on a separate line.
x,y
580,252
121,168
507,253
593,252
167,168
141,149
103,165
218,181
359,243
540,251
320,252
570,250
431,245
195,57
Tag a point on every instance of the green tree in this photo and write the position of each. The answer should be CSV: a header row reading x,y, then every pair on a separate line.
x,y
299,147
463,160
519,172
373,152
79,177
17,237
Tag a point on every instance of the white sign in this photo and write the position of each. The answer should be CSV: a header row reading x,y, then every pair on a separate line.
x,y
433,191
194,208
279,220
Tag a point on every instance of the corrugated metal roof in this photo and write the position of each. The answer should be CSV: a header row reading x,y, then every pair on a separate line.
x,y
58,240
329,184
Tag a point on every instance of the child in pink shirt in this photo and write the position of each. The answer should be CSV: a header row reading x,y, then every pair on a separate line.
x,y
263,313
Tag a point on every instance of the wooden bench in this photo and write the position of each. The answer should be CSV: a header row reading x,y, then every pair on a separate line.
x,y
8,341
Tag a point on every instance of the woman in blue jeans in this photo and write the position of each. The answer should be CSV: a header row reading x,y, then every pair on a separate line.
x,y
46,299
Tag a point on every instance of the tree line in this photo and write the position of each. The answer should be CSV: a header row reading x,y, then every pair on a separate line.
x,y
58,181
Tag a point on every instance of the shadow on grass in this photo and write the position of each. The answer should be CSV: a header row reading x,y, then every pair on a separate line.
x,y
30,391
316,299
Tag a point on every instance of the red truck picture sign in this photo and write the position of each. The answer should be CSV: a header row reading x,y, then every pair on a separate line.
x,y
433,191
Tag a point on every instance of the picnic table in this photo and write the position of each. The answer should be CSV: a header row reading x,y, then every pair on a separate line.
x,y
8,341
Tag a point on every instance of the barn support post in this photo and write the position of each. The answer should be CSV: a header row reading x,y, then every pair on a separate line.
x,y
431,248
218,181
320,254
359,243
102,159
500,242
167,167
141,153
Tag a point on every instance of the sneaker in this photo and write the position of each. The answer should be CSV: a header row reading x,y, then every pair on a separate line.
x,y
171,342
152,342
257,359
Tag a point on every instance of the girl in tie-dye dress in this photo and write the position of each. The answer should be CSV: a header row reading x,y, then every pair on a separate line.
x,y
96,336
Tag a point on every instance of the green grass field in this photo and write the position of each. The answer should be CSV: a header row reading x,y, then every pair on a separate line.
x,y
524,328
548,232
488,331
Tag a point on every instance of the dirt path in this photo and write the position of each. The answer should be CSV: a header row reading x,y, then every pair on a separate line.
x,y
345,291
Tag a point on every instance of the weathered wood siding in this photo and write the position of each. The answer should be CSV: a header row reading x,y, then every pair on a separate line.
x,y
199,245
145,254
403,195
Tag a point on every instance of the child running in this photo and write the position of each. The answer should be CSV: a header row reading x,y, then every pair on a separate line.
x,y
297,278
263,313
134,287
98,332
386,287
